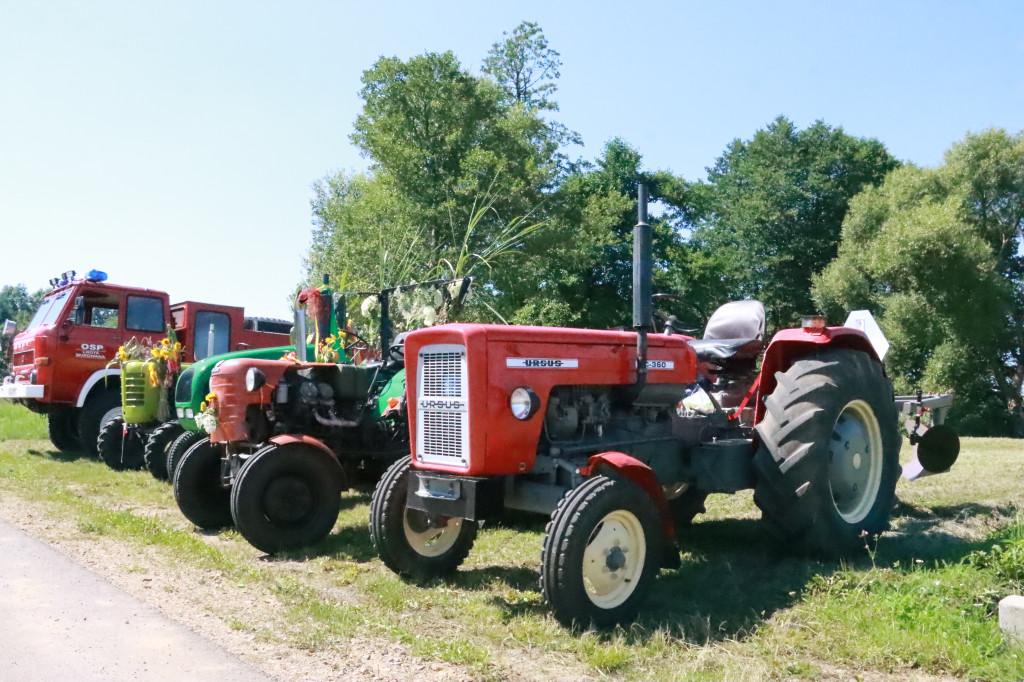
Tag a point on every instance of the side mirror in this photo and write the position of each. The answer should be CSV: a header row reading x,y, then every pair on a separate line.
x,y
78,312
10,328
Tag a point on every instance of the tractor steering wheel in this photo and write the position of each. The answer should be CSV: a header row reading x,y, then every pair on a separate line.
x,y
678,316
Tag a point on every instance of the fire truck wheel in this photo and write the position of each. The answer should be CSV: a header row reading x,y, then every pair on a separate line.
x,y
602,549
98,410
410,542
157,445
828,460
62,423
197,488
120,448
178,448
286,497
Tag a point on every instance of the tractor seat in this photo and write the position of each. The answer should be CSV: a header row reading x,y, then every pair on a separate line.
x,y
734,332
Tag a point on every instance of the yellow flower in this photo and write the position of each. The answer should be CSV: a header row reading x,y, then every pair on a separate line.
x,y
154,378
166,342
202,406
211,396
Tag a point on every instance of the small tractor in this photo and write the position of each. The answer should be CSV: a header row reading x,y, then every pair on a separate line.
x,y
593,427
145,430
189,395
290,434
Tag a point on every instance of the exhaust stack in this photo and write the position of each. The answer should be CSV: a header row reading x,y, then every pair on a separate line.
x,y
642,283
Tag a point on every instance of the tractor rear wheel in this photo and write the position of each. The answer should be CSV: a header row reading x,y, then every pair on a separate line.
x,y
157,445
61,422
100,408
198,490
602,549
828,459
120,447
286,497
413,543
177,449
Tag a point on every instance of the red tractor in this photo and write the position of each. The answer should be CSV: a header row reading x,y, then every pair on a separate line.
x,y
592,428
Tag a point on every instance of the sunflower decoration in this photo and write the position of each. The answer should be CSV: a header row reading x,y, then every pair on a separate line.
x,y
326,350
167,354
207,417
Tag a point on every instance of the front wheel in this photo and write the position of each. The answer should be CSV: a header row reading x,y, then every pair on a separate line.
x,y
601,552
119,446
157,445
177,449
198,490
286,497
828,461
62,424
100,408
413,543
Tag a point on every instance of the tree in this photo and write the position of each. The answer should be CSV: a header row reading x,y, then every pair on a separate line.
x,y
580,267
458,172
441,138
770,213
935,253
18,305
525,67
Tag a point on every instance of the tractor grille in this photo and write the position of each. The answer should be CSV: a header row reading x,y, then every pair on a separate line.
x,y
442,417
135,379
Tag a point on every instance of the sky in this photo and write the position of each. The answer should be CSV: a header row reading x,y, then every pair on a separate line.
x,y
174,144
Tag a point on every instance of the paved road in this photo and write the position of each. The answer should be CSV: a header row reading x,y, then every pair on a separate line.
x,y
59,621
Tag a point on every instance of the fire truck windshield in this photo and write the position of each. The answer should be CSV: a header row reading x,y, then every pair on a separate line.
x,y
50,309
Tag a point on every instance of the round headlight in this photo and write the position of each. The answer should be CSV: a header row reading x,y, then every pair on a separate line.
x,y
524,403
254,379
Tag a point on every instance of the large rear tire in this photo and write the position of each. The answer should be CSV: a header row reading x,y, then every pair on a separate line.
x,y
198,490
410,542
828,459
155,453
286,497
601,552
178,448
100,408
119,447
62,424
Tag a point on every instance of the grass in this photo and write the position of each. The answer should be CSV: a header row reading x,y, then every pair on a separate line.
x,y
18,423
921,602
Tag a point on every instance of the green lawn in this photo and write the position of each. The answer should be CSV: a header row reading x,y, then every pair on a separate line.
x,y
922,603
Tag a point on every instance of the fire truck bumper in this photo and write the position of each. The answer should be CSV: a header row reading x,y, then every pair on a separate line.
x,y
458,496
12,391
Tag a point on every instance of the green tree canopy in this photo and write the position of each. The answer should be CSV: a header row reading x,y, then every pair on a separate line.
x,y
770,214
580,268
18,305
936,255
525,67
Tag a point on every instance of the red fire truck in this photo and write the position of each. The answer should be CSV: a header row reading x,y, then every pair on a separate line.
x,y
60,362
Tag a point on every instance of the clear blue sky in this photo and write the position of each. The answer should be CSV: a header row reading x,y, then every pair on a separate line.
x,y
173,144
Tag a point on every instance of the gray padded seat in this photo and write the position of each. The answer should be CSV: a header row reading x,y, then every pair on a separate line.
x,y
734,332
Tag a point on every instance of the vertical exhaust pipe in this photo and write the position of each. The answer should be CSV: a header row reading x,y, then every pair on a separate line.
x,y
642,283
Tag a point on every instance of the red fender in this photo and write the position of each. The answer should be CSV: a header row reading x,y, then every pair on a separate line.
x,y
636,471
790,345
289,438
